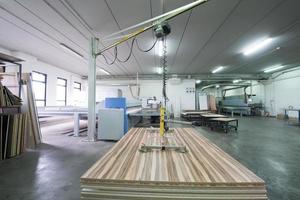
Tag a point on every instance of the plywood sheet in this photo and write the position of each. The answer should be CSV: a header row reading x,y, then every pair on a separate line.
x,y
204,170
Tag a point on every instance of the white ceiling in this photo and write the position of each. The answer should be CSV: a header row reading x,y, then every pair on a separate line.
x,y
213,34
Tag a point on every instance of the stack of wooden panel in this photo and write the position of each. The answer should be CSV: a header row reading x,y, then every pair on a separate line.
x,y
33,127
204,172
7,98
18,131
12,135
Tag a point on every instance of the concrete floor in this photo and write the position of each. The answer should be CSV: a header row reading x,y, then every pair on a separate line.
x,y
270,148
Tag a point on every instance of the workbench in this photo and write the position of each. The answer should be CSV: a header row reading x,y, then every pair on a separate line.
x,y
287,110
203,172
193,115
76,113
224,123
205,118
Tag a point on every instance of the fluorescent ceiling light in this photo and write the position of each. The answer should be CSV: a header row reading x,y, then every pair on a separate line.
x,y
160,48
159,70
104,71
217,86
70,50
237,80
271,69
257,46
198,81
217,69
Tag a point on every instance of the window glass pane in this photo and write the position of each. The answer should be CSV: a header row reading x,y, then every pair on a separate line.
x,y
38,77
40,103
39,90
60,93
61,82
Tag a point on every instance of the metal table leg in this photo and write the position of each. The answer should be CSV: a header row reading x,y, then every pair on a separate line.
x,y
76,124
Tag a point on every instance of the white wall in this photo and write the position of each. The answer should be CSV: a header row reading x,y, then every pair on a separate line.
x,y
282,92
33,64
178,97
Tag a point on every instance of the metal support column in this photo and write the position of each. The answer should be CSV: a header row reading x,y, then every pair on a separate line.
x,y
92,90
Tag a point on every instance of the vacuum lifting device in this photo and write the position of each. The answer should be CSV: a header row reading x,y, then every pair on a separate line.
x,y
161,29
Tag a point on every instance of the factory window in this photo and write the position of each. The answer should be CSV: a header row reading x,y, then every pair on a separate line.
x,y
61,92
77,86
39,82
77,96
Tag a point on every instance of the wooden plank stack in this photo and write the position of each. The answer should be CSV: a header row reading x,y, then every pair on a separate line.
x,y
33,129
18,130
11,124
204,172
12,135
7,98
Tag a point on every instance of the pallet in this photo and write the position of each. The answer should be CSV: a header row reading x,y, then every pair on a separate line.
x,y
203,172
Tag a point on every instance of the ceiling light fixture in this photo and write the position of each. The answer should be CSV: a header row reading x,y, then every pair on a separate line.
x,y
70,50
217,86
160,48
271,69
257,46
104,71
198,81
237,81
217,69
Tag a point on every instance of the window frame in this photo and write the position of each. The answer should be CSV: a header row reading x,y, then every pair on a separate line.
x,y
80,87
65,86
46,78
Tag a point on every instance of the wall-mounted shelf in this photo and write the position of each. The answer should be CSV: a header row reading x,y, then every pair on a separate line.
x,y
7,61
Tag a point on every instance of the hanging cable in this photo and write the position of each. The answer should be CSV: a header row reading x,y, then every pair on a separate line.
x,y
163,64
139,48
130,53
115,57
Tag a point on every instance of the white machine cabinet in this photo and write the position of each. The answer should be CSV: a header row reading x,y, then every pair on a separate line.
x,y
110,124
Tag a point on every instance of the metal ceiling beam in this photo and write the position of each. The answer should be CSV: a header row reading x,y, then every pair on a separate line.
x,y
202,77
236,86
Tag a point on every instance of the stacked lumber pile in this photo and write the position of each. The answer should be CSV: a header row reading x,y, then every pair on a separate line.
x,y
18,130
33,128
13,135
11,124
204,172
7,98
212,103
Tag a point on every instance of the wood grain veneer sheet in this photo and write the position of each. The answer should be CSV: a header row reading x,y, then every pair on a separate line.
x,y
203,164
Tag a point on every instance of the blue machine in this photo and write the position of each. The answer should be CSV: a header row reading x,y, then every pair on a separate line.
x,y
118,102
